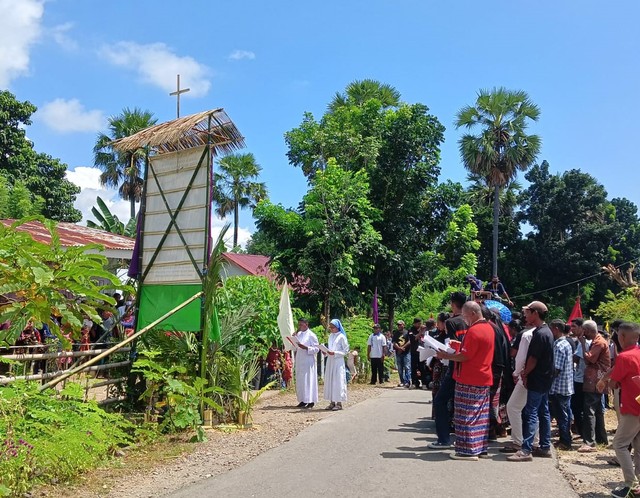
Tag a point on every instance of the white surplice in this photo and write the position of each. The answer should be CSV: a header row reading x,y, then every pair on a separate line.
x,y
306,369
335,380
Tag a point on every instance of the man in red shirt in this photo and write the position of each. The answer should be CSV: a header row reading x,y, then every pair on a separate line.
x,y
472,373
626,367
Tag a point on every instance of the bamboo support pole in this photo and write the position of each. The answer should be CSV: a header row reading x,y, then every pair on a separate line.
x,y
118,346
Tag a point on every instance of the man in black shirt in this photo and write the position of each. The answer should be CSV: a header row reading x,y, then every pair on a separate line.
x,y
455,328
414,339
537,377
400,342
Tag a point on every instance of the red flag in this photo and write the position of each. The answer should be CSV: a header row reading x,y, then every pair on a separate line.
x,y
576,312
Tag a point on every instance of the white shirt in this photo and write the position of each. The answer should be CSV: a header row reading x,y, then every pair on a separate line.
x,y
377,342
521,356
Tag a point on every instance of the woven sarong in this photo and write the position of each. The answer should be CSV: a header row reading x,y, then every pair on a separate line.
x,y
471,419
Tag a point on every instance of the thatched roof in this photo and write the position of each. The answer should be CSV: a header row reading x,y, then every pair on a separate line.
x,y
186,133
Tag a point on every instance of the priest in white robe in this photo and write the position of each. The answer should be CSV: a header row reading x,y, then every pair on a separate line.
x,y
335,378
305,366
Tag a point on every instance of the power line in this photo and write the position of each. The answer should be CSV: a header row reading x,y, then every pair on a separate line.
x,y
574,282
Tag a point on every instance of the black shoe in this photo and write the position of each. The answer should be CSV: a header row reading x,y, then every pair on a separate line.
x,y
623,492
301,404
308,405
541,453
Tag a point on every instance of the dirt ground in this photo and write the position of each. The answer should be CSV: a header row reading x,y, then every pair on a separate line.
x,y
168,466
589,473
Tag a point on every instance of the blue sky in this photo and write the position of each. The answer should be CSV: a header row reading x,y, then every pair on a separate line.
x,y
267,63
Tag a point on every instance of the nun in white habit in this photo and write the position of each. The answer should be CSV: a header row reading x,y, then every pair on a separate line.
x,y
335,379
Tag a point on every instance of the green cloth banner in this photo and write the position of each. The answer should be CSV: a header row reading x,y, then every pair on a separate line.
x,y
156,300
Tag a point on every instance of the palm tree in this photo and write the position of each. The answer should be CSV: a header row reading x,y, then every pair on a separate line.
x,y
123,170
359,91
501,148
234,188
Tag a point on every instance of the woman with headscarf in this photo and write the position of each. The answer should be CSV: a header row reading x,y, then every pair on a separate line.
x,y
335,379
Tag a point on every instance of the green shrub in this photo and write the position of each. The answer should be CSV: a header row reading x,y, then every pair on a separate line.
x,y
49,435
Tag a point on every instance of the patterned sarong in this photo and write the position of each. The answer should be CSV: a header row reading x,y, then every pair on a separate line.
x,y
471,419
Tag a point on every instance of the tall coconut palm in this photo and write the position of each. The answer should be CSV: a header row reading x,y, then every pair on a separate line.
x,y
359,91
123,170
501,146
235,188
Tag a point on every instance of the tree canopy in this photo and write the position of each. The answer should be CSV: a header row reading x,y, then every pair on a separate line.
x,y
43,176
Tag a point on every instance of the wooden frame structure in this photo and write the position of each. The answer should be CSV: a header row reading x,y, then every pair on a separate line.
x,y
174,240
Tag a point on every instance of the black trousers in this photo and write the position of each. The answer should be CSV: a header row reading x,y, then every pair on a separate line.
x,y
577,406
377,370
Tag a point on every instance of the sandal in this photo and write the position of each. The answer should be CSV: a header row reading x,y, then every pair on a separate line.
x,y
331,406
585,448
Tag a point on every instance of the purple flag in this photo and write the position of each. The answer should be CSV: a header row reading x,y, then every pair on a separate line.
x,y
374,306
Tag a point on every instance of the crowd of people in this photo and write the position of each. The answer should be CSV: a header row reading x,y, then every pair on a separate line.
x,y
92,335
488,378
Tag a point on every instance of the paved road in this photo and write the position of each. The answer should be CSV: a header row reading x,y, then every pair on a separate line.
x,y
379,448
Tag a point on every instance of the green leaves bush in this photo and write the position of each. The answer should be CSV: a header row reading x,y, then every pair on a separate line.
x,y
49,436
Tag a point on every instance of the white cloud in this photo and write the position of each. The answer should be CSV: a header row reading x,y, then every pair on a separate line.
x,y
158,65
60,35
237,55
20,28
68,116
244,234
88,179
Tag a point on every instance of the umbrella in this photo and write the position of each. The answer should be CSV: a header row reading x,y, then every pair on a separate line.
x,y
503,311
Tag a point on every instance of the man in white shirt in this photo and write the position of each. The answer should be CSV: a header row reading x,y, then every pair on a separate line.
x,y
518,398
376,352
306,369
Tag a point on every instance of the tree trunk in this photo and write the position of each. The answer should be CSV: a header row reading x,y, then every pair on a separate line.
x,y
326,309
132,199
496,219
236,216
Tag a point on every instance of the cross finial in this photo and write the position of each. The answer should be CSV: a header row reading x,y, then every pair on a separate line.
x,y
177,94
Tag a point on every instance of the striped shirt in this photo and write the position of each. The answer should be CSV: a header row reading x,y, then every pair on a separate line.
x,y
563,365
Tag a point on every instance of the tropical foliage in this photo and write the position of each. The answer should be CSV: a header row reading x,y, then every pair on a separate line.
x,y
236,188
109,222
501,146
44,177
123,170
40,281
51,437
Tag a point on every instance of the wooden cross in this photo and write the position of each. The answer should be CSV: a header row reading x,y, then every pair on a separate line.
x,y
177,94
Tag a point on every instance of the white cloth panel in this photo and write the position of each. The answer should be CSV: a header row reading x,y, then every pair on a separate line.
x,y
173,171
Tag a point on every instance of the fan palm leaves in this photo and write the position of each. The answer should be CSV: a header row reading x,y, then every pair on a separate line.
x,y
501,146
123,170
236,188
359,91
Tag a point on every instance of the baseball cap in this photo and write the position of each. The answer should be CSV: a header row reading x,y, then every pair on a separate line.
x,y
536,306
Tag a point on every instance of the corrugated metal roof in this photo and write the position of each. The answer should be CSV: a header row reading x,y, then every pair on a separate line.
x,y
72,235
254,264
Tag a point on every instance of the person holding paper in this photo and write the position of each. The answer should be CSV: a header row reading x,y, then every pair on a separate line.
x,y
305,365
335,378
473,376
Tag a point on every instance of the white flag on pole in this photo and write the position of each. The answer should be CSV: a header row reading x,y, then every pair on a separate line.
x,y
285,317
